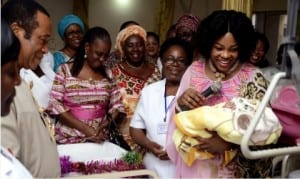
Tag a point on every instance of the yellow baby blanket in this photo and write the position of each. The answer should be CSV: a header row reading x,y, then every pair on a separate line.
x,y
230,121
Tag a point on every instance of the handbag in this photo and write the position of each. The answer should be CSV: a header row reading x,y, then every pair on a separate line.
x,y
115,136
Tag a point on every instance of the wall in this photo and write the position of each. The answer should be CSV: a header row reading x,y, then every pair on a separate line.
x,y
106,13
200,8
269,22
269,5
110,15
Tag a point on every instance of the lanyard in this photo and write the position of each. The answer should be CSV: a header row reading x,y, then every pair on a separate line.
x,y
167,107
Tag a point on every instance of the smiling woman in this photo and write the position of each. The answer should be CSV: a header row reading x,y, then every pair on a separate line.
x,y
70,29
83,99
153,106
132,74
226,41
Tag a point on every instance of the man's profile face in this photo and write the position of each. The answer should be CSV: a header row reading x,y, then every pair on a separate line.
x,y
33,49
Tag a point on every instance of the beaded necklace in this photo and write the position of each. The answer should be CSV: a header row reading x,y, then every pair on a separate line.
x,y
219,75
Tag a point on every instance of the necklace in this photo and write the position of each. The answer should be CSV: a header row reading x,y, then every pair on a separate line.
x,y
167,107
135,67
221,75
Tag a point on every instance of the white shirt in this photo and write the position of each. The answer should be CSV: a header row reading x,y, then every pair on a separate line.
x,y
41,85
11,167
149,115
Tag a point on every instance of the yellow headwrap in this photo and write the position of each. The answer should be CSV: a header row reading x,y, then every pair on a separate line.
x,y
127,32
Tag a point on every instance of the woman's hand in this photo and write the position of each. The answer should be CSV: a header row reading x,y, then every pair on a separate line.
x,y
214,144
93,135
97,138
88,130
158,151
190,99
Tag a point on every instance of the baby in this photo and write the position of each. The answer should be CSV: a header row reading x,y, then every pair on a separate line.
x,y
230,120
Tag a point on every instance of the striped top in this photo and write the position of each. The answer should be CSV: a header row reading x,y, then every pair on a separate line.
x,y
88,100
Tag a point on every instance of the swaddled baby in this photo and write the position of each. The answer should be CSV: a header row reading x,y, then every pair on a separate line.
x,y
230,120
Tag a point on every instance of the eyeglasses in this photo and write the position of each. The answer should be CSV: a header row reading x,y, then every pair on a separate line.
x,y
178,61
73,33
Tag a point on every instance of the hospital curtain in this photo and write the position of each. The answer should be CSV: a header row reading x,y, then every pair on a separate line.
x,y
80,8
245,6
164,18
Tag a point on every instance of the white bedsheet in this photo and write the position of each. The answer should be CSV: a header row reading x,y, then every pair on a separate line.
x,y
84,152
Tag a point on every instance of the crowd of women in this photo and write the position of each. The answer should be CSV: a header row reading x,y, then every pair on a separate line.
x,y
140,86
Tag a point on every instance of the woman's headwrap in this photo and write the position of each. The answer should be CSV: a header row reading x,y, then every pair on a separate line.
x,y
127,32
66,21
188,20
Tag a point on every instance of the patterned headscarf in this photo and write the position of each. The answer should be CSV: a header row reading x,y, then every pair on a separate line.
x,y
188,20
127,32
66,21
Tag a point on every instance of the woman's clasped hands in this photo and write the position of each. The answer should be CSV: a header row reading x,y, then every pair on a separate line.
x,y
96,135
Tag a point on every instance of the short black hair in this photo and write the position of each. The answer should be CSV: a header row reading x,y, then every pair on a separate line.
x,y
10,44
177,42
262,37
217,24
126,23
154,35
23,12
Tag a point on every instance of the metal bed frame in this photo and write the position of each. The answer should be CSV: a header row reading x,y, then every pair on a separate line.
x,y
290,70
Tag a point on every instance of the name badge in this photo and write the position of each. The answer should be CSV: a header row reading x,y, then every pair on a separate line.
x,y
162,128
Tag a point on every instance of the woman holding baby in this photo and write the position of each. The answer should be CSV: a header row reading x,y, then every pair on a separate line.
x,y
225,40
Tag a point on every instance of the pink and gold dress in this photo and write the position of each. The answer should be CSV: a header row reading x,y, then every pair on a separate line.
x,y
248,83
90,101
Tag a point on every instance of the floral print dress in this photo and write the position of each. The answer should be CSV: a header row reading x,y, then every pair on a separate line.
x,y
130,87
